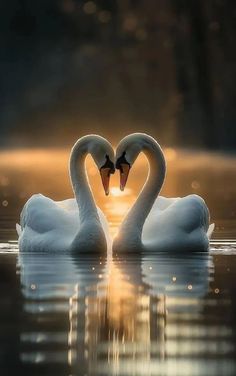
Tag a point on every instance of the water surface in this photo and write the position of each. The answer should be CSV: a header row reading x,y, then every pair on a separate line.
x,y
152,314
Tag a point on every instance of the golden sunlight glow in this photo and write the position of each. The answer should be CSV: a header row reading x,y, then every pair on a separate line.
x,y
170,154
116,192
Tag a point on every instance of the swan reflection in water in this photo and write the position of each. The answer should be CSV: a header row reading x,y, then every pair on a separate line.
x,y
136,315
60,292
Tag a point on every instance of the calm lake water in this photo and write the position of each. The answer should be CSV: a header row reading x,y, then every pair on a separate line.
x,y
153,314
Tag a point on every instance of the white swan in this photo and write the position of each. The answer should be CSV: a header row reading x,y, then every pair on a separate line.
x,y
75,224
168,224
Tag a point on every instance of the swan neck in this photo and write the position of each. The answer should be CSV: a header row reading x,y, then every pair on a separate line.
x,y
133,224
80,183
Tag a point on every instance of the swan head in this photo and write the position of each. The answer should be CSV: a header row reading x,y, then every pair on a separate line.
x,y
105,172
128,150
103,155
126,154
124,166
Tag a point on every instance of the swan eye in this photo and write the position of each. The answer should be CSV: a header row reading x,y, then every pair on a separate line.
x,y
109,165
122,161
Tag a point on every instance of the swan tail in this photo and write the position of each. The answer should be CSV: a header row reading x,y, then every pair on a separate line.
x,y
210,230
18,229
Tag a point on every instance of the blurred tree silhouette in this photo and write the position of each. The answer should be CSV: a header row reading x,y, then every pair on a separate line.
x,y
162,66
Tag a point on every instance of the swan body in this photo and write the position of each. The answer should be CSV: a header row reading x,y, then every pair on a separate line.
x,y
52,225
75,225
178,224
158,223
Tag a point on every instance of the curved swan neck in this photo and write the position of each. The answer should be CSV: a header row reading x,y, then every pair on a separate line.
x,y
132,226
79,179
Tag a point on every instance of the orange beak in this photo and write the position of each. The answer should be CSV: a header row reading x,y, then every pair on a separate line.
x,y
124,173
105,176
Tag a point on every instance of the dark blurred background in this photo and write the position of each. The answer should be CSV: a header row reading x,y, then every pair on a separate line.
x,y
70,67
